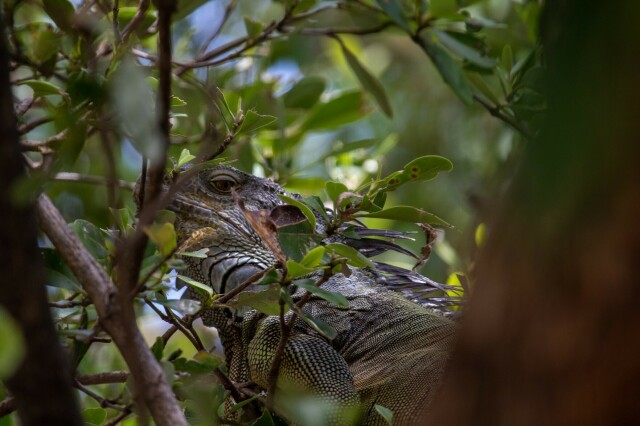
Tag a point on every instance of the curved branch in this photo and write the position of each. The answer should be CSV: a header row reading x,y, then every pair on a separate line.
x,y
116,317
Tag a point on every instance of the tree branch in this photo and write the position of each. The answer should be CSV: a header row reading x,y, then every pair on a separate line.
x,y
118,319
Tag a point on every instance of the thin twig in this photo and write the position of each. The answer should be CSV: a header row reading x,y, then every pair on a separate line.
x,y
496,111
27,127
104,403
231,6
143,6
103,378
120,417
94,180
246,283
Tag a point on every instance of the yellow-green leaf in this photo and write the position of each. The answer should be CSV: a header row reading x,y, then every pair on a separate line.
x,y
163,235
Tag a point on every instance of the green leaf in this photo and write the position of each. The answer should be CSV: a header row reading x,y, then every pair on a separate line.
x,y
264,420
61,12
123,218
442,8
355,258
330,296
386,414
420,169
305,93
318,325
239,405
368,81
306,211
343,109
208,359
197,285
94,416
506,60
185,157
43,88
295,269
200,254
448,68
12,345
163,236
91,237
315,203
407,214
177,102
184,306
334,189
254,121
393,9
253,27
158,348
313,257
265,301
464,51
482,87
296,240
60,280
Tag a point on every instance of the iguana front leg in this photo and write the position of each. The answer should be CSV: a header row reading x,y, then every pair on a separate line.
x,y
313,380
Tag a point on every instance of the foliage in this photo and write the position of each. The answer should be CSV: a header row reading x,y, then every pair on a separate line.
x,y
318,95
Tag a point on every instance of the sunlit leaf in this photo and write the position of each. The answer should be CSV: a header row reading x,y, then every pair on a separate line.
x,y
265,301
185,157
163,236
295,269
407,214
334,189
197,285
313,257
254,121
43,88
94,416
12,344
355,258
200,254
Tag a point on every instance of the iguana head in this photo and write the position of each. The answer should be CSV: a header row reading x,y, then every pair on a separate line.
x,y
208,215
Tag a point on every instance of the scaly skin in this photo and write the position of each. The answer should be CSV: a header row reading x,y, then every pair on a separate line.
x,y
388,350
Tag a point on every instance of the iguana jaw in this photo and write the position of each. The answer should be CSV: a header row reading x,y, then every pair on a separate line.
x,y
207,216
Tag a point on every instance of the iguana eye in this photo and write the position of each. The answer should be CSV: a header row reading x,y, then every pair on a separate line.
x,y
223,183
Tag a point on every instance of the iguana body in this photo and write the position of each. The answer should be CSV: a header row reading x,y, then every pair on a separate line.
x,y
388,351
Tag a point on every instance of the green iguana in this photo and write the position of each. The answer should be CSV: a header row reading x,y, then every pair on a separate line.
x,y
389,350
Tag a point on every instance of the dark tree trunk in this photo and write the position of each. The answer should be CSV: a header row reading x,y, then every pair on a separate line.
x,y
42,384
552,333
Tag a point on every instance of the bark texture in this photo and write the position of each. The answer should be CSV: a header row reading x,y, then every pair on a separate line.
x,y
42,384
551,334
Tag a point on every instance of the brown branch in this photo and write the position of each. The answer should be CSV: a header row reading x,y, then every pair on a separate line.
x,y
115,22
246,283
143,6
120,417
104,403
496,111
116,317
41,384
227,13
103,378
93,180
7,406
27,127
